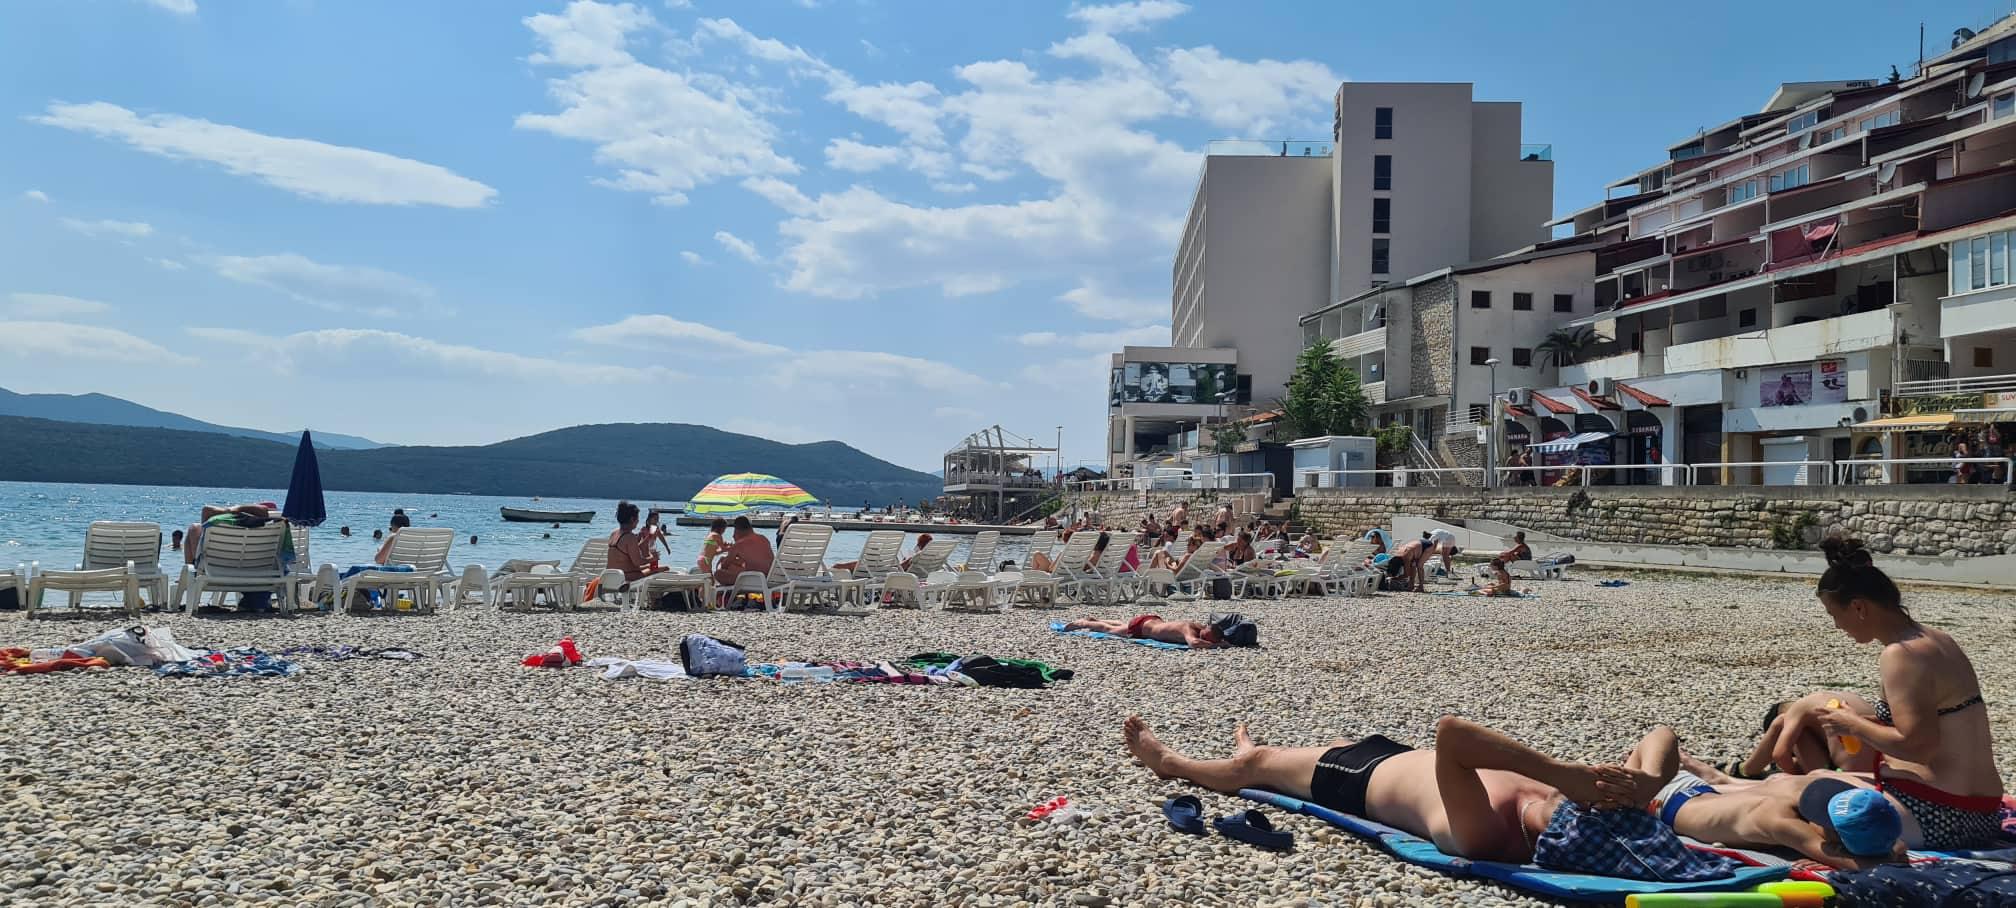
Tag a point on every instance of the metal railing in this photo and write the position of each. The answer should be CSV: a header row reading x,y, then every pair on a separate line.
x,y
1855,472
1940,387
1533,152
1290,148
1666,472
1461,425
1222,482
1809,472
1396,477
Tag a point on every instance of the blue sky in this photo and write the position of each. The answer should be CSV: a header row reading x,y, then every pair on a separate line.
x,y
887,223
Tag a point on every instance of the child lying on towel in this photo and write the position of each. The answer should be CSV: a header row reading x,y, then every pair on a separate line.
x,y
1478,794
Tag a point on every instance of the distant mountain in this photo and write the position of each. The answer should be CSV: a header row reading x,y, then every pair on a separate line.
x,y
102,410
644,461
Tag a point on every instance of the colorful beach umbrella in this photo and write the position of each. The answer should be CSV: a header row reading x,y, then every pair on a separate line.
x,y
304,490
739,492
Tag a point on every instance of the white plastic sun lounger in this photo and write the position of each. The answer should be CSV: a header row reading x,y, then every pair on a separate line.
x,y
424,549
119,557
241,560
562,589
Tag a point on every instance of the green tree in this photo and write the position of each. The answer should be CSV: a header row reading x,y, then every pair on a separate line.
x,y
1568,346
1324,397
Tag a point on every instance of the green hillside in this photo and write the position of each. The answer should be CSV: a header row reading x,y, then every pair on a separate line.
x,y
661,461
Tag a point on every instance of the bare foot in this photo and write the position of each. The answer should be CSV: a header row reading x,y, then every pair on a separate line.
x,y
1241,741
1629,788
1708,773
1145,747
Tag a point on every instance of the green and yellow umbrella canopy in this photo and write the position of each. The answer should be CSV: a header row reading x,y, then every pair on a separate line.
x,y
736,493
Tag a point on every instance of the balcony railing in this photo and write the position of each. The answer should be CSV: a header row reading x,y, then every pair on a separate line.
x,y
1275,148
1785,344
1360,344
1942,387
1536,152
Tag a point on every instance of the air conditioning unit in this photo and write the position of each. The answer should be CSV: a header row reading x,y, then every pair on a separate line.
x,y
1602,387
1518,397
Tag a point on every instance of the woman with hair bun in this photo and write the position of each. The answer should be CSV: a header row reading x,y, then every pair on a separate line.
x,y
1934,753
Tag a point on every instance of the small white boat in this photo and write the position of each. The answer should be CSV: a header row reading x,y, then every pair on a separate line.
x,y
528,515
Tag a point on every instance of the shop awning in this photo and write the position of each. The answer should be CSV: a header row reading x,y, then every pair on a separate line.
x,y
1568,444
1913,423
1995,414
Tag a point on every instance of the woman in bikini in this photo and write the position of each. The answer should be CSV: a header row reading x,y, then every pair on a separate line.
x,y
1930,731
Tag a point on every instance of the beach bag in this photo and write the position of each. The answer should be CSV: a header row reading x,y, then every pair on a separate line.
x,y
10,599
1558,558
677,601
1236,629
1219,588
143,646
704,656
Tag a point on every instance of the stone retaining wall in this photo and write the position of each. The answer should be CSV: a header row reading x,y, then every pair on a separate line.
x,y
1944,521
1126,508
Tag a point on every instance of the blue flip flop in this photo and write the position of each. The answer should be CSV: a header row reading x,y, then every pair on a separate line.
x,y
1185,813
1253,828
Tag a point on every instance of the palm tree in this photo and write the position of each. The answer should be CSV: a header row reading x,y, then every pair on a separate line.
x,y
1568,346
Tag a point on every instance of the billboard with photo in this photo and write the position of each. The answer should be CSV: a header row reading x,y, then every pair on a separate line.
x,y
1824,382
1173,383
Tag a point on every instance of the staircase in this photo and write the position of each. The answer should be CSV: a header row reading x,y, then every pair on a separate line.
x,y
1277,512
1422,457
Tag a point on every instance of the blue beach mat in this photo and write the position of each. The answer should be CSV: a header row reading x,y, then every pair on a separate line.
x,y
1579,887
1058,626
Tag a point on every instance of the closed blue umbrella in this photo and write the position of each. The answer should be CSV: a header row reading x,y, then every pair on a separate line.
x,y
304,491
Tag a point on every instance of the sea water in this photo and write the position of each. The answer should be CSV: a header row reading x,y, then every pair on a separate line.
x,y
45,522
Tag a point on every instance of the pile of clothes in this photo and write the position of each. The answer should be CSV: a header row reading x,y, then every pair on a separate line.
x,y
241,662
701,656
141,646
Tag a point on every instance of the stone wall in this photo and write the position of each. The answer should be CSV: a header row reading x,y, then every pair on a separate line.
x,y
1431,351
1944,521
1126,508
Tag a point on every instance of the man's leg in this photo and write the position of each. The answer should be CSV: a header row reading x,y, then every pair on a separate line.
x,y
1095,624
1652,764
1287,770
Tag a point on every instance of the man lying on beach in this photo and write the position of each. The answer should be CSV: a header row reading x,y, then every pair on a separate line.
x,y
1478,794
1837,819
1153,627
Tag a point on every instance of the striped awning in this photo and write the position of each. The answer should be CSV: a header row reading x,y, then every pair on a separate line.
x,y
1568,444
1916,422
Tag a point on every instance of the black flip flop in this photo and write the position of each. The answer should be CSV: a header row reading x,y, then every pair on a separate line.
x,y
1253,828
1185,813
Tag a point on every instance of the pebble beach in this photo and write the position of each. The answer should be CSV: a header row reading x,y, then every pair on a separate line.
x,y
465,779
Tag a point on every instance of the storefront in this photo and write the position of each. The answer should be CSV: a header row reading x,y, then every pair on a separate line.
x,y
1644,436
1599,447
1933,429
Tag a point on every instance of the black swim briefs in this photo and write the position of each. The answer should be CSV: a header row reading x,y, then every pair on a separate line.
x,y
1343,772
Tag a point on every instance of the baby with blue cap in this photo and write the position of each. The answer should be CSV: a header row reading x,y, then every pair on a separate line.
x,y
1861,819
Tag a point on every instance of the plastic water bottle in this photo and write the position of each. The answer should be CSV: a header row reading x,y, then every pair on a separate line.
x,y
805,673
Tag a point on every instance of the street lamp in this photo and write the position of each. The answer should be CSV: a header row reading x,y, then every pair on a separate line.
x,y
1059,456
1491,426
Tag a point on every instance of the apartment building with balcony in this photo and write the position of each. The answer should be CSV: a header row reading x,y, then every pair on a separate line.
x,y
1416,175
1766,288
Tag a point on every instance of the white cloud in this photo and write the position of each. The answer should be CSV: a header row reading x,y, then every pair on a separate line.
x,y
1127,17
868,47
51,305
131,230
35,195
678,4
665,133
166,264
740,247
178,7
693,258
70,342
826,373
1093,301
663,332
339,350
338,288
1070,376
1102,341
1255,97
315,170
847,154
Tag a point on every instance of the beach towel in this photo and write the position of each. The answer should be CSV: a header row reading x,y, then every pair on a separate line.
x,y
344,652
1515,594
1058,626
2002,856
1580,887
242,662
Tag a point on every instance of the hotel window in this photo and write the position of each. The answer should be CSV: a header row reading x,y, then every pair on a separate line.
x,y
1382,171
1479,354
1802,122
1881,120
1522,356
1830,135
1791,179
2004,105
1382,123
1981,262
1746,318
1382,215
1522,302
1984,357
1480,299
1382,253
1564,302
1744,191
